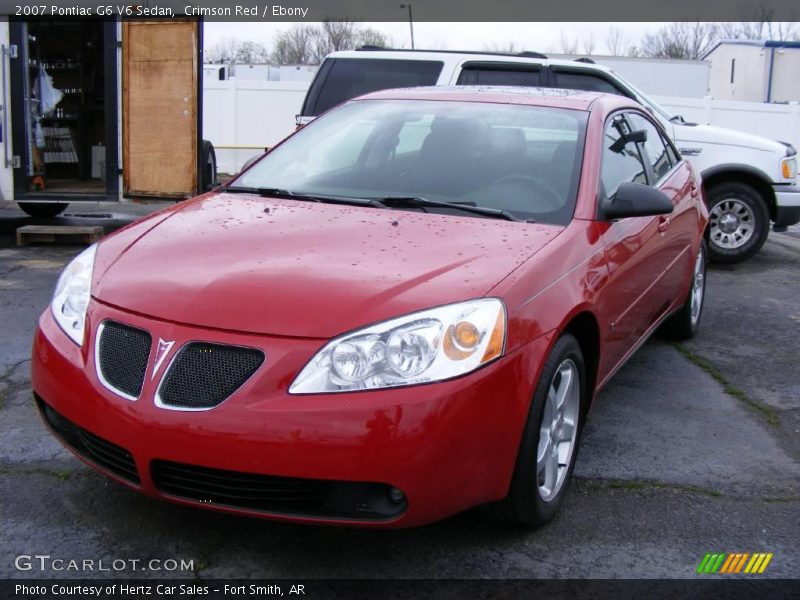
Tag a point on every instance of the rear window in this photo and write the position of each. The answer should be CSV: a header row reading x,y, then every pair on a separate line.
x,y
495,75
583,81
341,79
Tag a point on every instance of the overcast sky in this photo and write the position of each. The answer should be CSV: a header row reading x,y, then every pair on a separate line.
x,y
542,37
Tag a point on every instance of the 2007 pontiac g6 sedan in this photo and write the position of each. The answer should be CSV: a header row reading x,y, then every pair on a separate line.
x,y
404,310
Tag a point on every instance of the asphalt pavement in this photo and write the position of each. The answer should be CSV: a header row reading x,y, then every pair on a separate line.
x,y
692,448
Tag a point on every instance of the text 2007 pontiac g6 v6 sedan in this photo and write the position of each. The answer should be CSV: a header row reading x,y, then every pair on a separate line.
x,y
404,310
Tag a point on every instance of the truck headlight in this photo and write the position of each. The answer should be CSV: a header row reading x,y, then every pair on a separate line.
x,y
431,345
789,167
71,297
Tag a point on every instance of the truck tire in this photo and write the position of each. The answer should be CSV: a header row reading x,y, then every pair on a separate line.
x,y
738,222
43,210
208,160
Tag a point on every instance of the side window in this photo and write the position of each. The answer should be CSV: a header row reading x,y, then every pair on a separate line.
x,y
497,75
654,146
575,80
621,159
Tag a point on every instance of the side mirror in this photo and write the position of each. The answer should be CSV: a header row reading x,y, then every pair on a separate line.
x,y
253,159
636,200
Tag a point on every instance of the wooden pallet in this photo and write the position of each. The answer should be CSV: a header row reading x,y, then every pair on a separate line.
x,y
54,234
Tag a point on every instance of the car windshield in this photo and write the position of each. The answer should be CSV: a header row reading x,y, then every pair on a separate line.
x,y
646,100
518,159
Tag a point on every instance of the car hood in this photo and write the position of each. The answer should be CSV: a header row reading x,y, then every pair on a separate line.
x,y
709,134
293,268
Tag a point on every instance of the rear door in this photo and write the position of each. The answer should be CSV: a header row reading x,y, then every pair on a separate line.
x,y
160,108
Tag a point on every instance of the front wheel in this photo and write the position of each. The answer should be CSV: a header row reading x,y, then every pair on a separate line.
x,y
550,441
738,222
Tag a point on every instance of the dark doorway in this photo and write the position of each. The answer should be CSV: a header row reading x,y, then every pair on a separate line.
x,y
64,110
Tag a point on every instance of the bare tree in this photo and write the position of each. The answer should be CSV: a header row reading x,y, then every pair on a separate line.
x,y
333,36
305,44
509,47
588,44
231,50
568,45
616,42
294,46
760,30
680,40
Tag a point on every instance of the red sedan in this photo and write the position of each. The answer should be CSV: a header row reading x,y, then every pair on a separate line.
x,y
404,310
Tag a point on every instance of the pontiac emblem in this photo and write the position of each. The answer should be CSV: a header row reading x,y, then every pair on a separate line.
x,y
162,351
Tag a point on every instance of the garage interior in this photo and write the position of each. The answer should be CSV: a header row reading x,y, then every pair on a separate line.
x,y
66,118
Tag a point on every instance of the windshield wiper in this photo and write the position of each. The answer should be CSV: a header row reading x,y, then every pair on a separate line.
x,y
677,119
288,194
416,201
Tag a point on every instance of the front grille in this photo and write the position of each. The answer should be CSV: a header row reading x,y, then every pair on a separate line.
x,y
122,354
103,453
280,495
203,374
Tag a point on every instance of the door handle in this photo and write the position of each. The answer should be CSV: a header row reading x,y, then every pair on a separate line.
x,y
663,224
695,191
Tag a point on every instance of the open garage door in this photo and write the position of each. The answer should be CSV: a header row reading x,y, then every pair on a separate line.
x,y
160,108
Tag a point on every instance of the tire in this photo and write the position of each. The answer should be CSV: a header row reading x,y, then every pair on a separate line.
x,y
683,325
43,210
527,503
738,222
208,160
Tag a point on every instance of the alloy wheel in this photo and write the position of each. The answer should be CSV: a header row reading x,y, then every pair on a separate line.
x,y
558,431
732,224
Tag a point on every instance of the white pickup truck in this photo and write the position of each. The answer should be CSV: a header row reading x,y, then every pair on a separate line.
x,y
749,180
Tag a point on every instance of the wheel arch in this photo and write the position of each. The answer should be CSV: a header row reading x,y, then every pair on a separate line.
x,y
585,327
752,176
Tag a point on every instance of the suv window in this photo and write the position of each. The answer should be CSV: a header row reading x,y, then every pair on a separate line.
x,y
347,78
654,146
576,80
482,74
622,160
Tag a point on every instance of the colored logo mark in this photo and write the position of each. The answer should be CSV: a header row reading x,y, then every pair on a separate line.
x,y
734,562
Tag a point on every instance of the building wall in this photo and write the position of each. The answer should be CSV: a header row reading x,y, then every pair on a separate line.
x,y
749,74
786,75
659,77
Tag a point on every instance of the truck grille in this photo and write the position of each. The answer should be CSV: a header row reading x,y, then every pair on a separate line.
x,y
203,375
279,495
122,353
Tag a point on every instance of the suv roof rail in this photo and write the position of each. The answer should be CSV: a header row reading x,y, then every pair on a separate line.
x,y
531,54
523,54
585,59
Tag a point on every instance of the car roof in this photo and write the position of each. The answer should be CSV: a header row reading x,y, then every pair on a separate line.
x,y
453,57
530,96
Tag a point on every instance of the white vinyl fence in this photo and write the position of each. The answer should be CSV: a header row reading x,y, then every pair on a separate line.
x,y
242,117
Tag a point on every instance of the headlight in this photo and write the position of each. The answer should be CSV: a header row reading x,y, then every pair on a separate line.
x,y
789,167
431,345
71,297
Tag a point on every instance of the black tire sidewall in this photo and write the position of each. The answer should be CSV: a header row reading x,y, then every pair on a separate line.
x,y
749,196
209,174
43,210
527,504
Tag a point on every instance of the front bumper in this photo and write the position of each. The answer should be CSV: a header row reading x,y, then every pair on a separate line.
x,y
787,205
447,446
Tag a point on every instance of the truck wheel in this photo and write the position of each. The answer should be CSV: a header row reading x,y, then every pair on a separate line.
x,y
738,222
208,160
43,210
